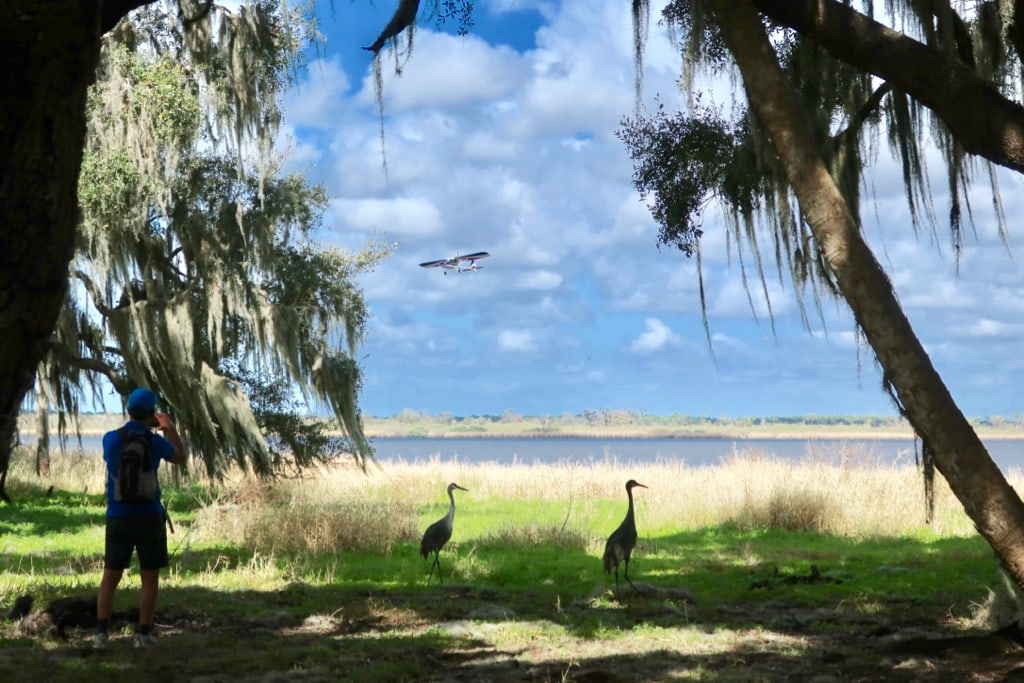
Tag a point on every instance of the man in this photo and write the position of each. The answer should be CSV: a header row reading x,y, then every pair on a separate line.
x,y
135,526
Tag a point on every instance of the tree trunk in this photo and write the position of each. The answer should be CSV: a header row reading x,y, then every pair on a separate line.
x,y
42,428
960,456
48,56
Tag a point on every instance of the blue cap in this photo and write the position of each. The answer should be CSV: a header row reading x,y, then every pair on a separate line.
x,y
142,401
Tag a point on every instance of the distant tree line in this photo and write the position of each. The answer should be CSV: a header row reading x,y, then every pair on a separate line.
x,y
609,417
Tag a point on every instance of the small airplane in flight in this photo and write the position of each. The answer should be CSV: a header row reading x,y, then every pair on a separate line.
x,y
460,264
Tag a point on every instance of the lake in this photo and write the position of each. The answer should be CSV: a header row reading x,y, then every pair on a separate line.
x,y
696,452
1007,453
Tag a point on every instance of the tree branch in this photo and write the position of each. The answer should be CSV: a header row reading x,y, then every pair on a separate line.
x,y
94,293
67,357
866,110
113,11
984,121
97,296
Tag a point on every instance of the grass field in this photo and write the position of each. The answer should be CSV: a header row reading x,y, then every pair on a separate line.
x,y
754,569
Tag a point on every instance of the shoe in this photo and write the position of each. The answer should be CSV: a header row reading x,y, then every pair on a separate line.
x,y
144,640
99,641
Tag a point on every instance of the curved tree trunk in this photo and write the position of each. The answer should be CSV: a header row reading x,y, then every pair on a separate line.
x,y
48,56
960,456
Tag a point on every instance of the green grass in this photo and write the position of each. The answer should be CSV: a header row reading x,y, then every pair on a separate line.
x,y
294,580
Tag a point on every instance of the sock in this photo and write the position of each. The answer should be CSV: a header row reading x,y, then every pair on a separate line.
x,y
144,629
101,625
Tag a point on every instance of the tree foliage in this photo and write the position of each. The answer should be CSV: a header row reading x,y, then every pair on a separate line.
x,y
196,268
688,160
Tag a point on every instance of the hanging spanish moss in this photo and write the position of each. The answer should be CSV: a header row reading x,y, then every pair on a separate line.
x,y
717,153
403,22
197,268
641,11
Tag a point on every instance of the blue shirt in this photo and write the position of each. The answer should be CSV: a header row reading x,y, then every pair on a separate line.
x,y
162,450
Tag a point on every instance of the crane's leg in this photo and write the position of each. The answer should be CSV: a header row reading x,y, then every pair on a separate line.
x,y
437,563
627,574
432,565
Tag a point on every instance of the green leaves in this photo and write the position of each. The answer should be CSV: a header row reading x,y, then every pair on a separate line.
x,y
681,163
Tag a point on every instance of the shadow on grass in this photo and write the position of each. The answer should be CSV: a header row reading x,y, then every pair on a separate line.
x,y
310,633
41,515
542,613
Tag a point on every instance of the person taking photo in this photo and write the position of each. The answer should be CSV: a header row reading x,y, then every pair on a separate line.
x,y
135,517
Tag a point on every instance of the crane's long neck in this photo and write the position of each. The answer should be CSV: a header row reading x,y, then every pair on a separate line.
x,y
629,510
451,504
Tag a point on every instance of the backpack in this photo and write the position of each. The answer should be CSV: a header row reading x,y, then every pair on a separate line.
x,y
135,482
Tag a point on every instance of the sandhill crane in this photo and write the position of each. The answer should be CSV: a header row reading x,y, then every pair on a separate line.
x,y
620,544
438,533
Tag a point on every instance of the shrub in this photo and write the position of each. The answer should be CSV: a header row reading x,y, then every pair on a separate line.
x,y
309,527
535,535
789,510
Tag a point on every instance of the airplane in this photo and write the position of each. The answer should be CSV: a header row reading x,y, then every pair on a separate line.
x,y
457,262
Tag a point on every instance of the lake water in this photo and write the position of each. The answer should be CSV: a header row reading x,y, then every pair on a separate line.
x,y
691,452
1007,453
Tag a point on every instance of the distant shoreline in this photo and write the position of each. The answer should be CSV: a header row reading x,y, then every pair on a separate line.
x,y
752,436
816,435
543,428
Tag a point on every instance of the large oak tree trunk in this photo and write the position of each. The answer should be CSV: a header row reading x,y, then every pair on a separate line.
x,y
960,456
48,56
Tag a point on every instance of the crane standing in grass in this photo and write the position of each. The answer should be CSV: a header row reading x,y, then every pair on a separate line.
x,y
438,533
620,544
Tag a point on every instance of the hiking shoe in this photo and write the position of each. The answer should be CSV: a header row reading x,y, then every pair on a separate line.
x,y
144,640
99,641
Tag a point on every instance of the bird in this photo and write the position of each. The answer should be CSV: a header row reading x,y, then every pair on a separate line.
x,y
620,544
438,533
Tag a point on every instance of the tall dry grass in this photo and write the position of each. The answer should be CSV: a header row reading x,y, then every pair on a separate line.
x,y
334,508
850,495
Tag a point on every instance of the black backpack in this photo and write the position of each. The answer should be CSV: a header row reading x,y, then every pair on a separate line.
x,y
135,482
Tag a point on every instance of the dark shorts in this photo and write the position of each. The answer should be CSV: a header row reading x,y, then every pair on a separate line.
x,y
145,533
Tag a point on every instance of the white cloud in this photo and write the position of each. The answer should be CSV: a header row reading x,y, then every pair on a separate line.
x,y
319,100
515,153
656,337
517,341
539,279
484,146
988,328
397,216
446,71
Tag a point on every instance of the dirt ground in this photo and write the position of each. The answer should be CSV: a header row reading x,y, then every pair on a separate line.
x,y
463,633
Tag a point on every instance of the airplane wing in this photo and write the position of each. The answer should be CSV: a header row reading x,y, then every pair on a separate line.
x,y
474,257
433,264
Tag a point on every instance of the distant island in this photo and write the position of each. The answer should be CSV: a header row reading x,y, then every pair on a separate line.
x,y
625,424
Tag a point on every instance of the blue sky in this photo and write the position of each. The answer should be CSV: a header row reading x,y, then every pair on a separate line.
x,y
504,140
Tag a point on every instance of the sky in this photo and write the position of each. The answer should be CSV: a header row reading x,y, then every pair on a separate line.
x,y
503,140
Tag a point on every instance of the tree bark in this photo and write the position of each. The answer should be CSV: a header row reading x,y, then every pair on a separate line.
x,y
48,56
960,457
984,121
